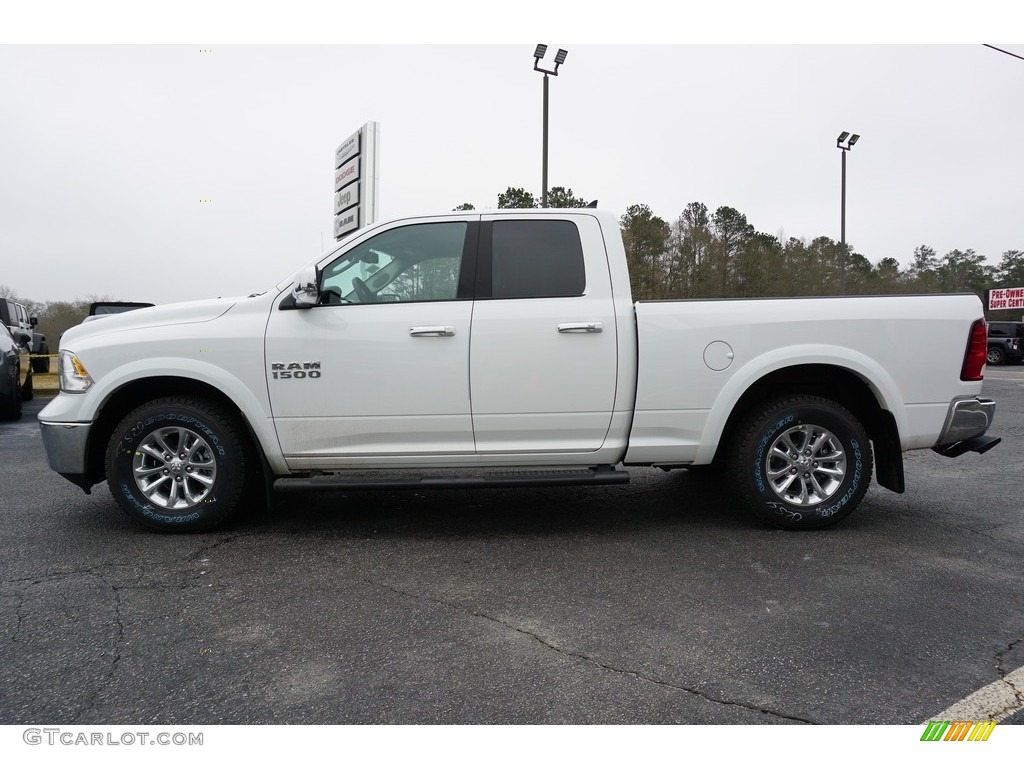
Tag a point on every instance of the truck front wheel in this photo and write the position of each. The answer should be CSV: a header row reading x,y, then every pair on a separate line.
x,y
804,462
178,464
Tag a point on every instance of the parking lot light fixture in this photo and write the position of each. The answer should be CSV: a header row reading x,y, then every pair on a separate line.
x,y
538,55
845,142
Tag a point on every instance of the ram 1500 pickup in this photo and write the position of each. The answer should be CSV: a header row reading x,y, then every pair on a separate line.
x,y
506,344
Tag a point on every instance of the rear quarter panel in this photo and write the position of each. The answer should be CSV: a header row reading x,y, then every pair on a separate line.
x,y
908,349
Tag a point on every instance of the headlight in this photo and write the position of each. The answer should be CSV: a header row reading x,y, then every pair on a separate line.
x,y
73,376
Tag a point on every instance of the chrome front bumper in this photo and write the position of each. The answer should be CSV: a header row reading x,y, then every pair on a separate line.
x,y
66,447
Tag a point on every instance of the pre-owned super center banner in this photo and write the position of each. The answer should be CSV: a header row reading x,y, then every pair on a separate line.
x,y
1006,298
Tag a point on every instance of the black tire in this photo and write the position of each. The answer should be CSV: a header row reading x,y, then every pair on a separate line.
x,y
995,356
42,364
26,389
838,471
195,430
10,408
712,470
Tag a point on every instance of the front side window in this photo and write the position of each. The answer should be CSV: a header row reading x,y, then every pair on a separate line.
x,y
420,262
532,259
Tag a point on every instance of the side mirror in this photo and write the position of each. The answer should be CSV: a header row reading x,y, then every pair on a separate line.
x,y
305,291
33,321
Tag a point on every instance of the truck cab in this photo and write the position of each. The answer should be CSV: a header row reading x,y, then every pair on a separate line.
x,y
491,337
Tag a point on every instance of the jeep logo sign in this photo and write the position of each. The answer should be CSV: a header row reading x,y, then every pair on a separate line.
x,y
348,197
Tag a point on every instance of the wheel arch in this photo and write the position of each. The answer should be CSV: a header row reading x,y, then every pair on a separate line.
x,y
835,383
126,398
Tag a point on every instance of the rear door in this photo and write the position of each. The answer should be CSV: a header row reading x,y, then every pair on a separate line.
x,y
543,355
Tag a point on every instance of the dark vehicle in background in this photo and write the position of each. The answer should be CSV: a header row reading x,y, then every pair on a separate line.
x,y
1005,343
15,372
115,307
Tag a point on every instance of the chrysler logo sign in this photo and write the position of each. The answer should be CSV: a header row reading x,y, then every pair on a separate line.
x,y
346,149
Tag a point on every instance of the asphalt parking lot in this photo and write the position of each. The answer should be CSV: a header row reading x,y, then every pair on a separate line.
x,y
656,602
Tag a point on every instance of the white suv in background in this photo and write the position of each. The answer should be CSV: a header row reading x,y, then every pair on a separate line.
x,y
15,316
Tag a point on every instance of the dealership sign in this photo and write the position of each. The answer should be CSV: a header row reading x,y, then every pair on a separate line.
x,y
356,177
1006,298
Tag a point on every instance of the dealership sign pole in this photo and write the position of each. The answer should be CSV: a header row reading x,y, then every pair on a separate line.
x,y
356,180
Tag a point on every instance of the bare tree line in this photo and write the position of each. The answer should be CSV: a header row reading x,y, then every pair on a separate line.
x,y
704,254
717,254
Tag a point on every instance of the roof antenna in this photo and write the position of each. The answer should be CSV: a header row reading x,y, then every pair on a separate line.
x,y
592,204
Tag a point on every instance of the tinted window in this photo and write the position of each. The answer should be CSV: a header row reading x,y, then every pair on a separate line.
x,y
1005,329
533,259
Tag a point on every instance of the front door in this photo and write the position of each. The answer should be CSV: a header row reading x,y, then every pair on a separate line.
x,y
380,368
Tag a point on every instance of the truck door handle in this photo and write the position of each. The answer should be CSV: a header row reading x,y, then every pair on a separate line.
x,y
432,330
580,328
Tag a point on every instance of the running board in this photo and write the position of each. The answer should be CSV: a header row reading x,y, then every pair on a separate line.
x,y
978,444
348,481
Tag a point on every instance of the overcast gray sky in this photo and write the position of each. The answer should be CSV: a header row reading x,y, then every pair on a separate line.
x,y
107,151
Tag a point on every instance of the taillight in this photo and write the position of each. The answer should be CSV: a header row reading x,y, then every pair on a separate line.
x,y
977,347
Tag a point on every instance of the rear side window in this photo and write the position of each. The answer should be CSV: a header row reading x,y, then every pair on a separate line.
x,y
534,259
1005,329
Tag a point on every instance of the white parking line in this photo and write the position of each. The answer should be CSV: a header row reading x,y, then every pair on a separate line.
x,y
996,701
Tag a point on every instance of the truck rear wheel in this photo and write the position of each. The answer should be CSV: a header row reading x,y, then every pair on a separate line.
x,y
178,464
804,462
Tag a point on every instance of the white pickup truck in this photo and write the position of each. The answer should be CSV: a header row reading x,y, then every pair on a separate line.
x,y
506,345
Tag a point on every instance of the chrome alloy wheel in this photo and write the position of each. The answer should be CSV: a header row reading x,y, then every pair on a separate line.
x,y
805,465
174,468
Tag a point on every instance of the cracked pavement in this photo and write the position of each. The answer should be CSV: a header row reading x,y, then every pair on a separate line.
x,y
1007,677
657,602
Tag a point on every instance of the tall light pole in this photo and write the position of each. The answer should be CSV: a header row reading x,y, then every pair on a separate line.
x,y
845,142
538,54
